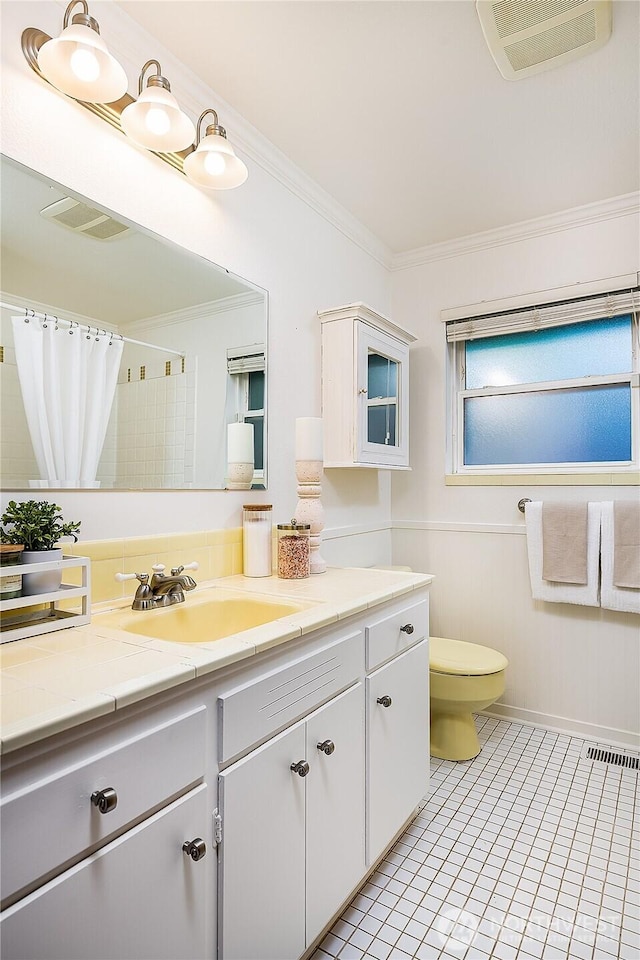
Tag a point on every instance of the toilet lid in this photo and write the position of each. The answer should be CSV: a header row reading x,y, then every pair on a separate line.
x,y
464,659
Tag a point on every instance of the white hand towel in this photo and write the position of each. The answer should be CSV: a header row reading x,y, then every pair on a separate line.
x,y
584,594
625,599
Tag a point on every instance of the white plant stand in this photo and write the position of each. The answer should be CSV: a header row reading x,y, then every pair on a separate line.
x,y
17,623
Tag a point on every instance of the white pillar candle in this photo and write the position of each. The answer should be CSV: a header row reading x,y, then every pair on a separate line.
x,y
309,438
240,443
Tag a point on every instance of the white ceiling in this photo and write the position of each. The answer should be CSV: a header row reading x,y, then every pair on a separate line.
x,y
398,110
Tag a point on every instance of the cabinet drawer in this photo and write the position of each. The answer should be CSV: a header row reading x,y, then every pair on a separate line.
x,y
253,711
386,638
139,896
53,821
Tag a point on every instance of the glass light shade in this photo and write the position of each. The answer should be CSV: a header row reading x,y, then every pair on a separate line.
x,y
79,64
155,121
215,165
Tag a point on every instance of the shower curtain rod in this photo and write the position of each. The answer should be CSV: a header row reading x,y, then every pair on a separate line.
x,y
99,331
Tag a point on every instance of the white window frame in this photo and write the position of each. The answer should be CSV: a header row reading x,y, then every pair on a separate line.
x,y
458,394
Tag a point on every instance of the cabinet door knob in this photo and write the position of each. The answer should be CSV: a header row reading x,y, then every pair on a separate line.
x,y
385,701
327,746
105,800
195,849
301,768
408,628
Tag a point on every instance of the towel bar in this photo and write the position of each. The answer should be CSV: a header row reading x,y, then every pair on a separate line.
x,y
521,503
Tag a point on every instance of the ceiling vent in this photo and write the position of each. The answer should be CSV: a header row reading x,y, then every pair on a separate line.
x,y
529,36
81,218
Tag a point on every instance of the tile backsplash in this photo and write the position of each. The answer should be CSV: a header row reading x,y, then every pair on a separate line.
x,y
219,553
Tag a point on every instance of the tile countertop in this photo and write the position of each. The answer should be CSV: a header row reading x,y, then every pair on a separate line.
x,y
60,680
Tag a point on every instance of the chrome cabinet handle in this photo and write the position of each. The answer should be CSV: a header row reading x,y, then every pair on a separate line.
x,y
105,800
384,701
301,768
408,628
327,747
195,849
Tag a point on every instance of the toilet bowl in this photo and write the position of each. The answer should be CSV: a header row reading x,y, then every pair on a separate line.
x,y
464,678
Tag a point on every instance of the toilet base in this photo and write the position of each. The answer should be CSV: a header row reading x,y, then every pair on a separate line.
x,y
453,736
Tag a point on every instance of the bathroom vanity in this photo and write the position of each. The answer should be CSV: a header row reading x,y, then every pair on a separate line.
x,y
232,811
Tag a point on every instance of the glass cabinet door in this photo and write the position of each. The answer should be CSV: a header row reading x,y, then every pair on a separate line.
x,y
382,414
382,399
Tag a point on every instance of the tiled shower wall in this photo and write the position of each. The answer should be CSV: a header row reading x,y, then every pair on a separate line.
x,y
156,409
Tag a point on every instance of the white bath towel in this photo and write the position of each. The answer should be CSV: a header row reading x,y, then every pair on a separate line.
x,y
625,599
587,594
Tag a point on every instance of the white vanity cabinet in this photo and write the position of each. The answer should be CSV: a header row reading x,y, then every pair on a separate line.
x,y
293,811
365,389
397,720
94,863
292,770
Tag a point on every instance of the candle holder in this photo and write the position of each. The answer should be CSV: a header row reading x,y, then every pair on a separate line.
x,y
309,474
239,456
239,476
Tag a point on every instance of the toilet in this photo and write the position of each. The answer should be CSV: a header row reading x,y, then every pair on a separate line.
x,y
464,678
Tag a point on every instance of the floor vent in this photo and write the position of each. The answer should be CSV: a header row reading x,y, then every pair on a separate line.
x,y
619,759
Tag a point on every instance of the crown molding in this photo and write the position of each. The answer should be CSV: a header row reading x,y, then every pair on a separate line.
x,y
126,38
624,206
238,302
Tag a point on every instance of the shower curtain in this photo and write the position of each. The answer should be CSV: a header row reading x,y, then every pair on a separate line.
x,y
68,380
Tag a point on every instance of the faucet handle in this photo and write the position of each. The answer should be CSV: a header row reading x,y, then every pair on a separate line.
x,y
121,577
176,571
158,568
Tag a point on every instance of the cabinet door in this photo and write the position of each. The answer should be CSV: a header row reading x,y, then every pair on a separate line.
x,y
262,869
139,898
397,744
335,806
383,381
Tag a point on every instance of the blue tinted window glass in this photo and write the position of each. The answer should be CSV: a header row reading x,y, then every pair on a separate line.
x,y
381,424
560,426
579,350
258,441
256,390
382,377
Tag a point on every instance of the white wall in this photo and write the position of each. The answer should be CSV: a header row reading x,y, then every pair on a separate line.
x,y
572,667
263,231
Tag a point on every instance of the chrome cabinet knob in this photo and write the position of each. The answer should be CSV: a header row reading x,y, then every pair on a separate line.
x,y
105,800
385,701
327,747
195,849
301,768
408,628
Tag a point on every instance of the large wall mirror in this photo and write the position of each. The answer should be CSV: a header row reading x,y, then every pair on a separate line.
x,y
124,357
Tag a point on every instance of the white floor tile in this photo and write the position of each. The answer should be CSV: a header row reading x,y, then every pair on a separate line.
x,y
528,852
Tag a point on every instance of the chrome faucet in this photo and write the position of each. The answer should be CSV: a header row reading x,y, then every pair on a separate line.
x,y
163,590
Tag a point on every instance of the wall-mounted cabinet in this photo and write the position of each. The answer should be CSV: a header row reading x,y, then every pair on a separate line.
x,y
365,389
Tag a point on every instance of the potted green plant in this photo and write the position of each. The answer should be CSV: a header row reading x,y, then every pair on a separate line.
x,y
39,526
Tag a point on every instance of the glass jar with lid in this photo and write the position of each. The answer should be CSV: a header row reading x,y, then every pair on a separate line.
x,y
257,539
10,583
293,550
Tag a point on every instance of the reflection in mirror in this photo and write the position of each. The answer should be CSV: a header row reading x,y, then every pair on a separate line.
x,y
123,356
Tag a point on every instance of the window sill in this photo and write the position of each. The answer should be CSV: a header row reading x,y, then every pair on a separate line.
x,y
626,478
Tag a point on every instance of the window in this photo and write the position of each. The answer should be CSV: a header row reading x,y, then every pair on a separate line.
x,y
547,388
246,399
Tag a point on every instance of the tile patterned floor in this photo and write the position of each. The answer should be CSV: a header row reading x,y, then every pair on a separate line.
x,y
530,851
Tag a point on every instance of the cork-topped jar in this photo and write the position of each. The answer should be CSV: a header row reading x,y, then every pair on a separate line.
x,y
10,583
293,550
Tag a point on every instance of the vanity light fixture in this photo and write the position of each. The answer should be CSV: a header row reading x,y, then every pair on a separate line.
x,y
155,120
78,62
213,163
